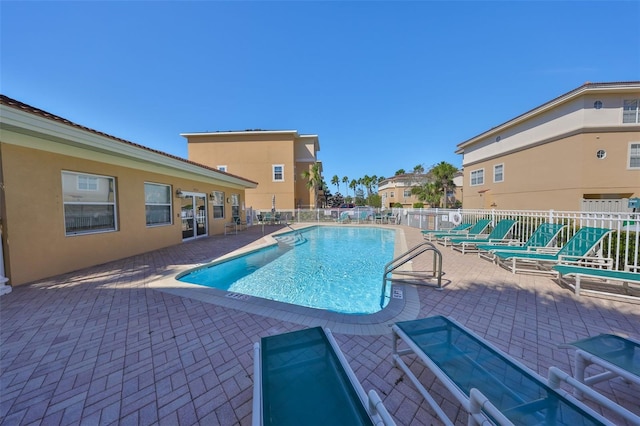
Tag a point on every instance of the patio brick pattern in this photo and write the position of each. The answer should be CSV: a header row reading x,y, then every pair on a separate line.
x,y
98,346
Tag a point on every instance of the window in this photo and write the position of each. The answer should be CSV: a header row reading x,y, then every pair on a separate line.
x,y
87,183
391,195
222,168
477,177
218,204
597,104
89,203
235,205
631,111
278,173
634,155
407,193
498,173
157,204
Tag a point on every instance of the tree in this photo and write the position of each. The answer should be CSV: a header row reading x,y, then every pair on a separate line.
x,y
335,180
419,169
353,185
428,192
345,180
443,174
400,172
314,179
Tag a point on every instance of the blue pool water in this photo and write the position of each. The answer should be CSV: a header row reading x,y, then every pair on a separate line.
x,y
332,268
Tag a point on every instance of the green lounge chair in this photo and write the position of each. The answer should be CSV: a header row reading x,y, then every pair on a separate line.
x,y
490,386
302,377
618,356
605,280
460,229
543,236
477,229
497,234
578,248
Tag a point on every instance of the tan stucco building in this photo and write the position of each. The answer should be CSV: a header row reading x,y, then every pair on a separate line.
x,y
274,159
397,189
72,197
583,145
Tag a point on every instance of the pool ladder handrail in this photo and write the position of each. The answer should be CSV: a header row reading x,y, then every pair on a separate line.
x,y
407,256
297,233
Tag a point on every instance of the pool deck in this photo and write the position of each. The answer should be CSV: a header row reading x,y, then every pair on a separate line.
x,y
121,343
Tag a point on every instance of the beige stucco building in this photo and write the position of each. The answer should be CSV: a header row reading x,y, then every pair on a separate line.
x,y
397,189
274,159
72,197
583,145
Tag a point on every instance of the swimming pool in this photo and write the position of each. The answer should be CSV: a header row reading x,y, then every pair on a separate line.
x,y
334,268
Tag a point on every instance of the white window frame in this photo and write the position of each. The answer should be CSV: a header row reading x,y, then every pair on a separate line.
x,y
391,194
407,193
222,167
217,200
495,174
273,172
80,187
633,155
169,204
476,177
631,109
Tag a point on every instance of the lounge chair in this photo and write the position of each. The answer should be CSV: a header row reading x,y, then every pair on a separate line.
x,y
497,234
343,218
491,386
617,355
459,229
543,236
477,229
577,249
302,377
605,280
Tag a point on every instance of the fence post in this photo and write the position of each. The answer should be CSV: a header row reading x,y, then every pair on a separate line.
x,y
4,288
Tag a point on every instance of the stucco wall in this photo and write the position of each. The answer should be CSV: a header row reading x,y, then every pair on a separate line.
x,y
557,174
34,229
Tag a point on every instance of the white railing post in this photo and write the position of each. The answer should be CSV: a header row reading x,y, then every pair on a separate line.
x,y
4,288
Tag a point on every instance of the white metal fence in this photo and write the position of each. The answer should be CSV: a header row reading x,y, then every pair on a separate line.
x,y
622,245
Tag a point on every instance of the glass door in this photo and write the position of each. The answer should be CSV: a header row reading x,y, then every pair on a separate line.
x,y
200,201
193,214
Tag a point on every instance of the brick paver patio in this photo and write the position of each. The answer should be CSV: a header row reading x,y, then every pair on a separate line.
x,y
102,346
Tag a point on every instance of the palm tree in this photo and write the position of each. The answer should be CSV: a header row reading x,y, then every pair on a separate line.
x,y
335,180
443,174
314,179
353,185
400,172
345,180
419,169
428,193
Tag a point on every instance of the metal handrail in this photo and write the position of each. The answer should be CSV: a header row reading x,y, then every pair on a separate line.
x,y
407,256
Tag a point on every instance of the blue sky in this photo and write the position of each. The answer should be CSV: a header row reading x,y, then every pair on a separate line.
x,y
385,85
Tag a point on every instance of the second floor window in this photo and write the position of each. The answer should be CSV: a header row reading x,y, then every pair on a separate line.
x,y
477,177
407,193
278,173
631,111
